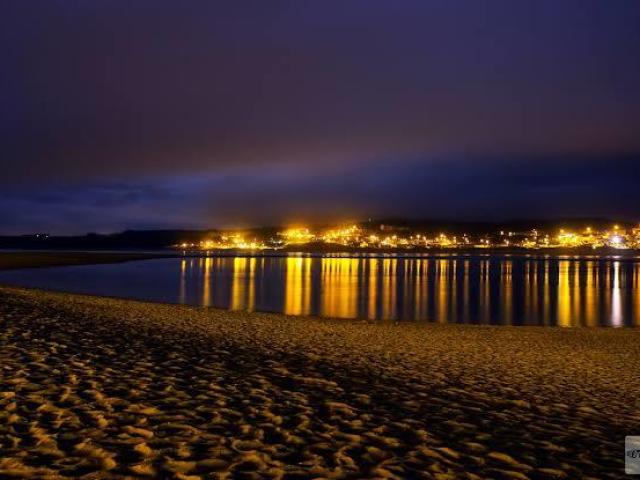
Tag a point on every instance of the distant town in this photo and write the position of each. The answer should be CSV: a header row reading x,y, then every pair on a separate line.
x,y
394,237
380,236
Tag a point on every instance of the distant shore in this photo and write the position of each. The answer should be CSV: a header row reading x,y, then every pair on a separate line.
x,y
323,249
113,388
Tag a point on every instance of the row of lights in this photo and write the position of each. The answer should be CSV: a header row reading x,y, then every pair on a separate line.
x,y
354,236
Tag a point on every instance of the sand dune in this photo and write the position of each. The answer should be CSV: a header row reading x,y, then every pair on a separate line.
x,y
105,388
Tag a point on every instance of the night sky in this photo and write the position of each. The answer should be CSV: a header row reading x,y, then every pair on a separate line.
x,y
157,114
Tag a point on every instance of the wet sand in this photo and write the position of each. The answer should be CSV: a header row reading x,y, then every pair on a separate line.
x,y
25,259
106,388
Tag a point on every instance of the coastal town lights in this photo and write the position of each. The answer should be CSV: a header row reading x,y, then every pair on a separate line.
x,y
403,238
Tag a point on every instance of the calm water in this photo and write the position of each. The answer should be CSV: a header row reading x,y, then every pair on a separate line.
x,y
485,290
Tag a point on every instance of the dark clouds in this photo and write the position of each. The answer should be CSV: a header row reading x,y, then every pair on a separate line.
x,y
312,104
487,188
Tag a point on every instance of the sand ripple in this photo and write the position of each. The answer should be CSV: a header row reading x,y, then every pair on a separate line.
x,y
102,388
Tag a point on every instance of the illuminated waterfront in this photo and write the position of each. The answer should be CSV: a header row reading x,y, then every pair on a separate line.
x,y
368,237
455,289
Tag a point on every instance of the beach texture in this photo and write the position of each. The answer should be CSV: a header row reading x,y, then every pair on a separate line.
x,y
106,388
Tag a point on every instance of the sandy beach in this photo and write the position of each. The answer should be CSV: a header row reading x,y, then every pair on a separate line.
x,y
106,388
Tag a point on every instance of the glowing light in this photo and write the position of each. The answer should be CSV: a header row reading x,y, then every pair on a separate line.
x,y
298,235
617,241
345,236
355,236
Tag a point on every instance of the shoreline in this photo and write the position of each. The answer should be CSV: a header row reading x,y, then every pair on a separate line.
x,y
14,260
44,259
116,388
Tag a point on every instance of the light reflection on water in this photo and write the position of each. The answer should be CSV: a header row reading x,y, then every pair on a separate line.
x,y
449,290
482,290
